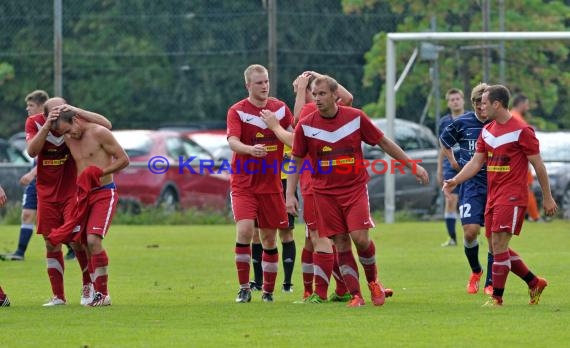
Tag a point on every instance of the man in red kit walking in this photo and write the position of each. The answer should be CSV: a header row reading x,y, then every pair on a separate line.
x,y
329,136
56,175
507,145
257,192
98,155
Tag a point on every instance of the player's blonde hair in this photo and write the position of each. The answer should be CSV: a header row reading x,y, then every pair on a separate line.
x,y
258,68
477,92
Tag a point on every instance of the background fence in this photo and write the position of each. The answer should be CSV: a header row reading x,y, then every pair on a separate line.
x,y
144,63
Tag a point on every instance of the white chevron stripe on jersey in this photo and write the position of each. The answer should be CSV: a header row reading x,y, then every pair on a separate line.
x,y
334,136
506,138
57,141
256,120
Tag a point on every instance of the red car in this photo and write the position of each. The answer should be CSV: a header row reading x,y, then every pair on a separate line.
x,y
160,172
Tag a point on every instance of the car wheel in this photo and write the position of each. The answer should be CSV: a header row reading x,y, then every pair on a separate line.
x,y
168,200
565,203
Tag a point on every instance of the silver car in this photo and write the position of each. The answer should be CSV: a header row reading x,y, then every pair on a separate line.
x,y
13,164
555,152
420,143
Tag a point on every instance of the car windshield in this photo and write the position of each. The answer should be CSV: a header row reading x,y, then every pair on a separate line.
x,y
135,144
210,142
10,154
554,147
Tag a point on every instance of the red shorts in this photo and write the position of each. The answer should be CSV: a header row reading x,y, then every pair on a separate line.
x,y
309,213
268,208
102,207
54,214
345,213
504,218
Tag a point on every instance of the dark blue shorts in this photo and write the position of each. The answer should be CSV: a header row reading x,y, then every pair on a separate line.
x,y
30,197
472,200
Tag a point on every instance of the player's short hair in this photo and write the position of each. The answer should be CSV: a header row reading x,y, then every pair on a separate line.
x,y
453,91
329,81
477,92
258,68
38,96
65,116
499,93
312,79
519,99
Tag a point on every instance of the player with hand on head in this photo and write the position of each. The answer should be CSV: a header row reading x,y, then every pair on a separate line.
x,y
56,175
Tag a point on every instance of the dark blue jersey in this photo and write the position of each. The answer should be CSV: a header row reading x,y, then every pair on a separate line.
x,y
464,131
448,171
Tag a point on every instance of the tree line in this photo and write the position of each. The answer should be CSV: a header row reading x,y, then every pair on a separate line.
x,y
146,63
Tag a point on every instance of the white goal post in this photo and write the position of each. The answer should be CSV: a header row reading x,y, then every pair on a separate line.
x,y
392,38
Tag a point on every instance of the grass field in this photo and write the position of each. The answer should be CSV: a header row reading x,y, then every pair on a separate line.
x,y
175,286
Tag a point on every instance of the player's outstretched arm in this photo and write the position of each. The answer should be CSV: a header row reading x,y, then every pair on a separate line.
x,y
470,170
396,152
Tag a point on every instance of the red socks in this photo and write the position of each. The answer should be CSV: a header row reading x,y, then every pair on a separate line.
x,y
349,271
368,260
243,257
55,268
323,265
307,268
100,263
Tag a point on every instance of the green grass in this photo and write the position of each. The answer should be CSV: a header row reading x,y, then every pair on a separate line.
x,y
175,286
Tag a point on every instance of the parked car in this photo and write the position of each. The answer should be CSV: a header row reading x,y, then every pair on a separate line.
x,y
215,141
18,140
189,126
138,183
420,143
555,152
13,164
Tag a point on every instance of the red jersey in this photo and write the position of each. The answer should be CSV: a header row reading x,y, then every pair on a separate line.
x,y
506,147
253,174
56,168
334,146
